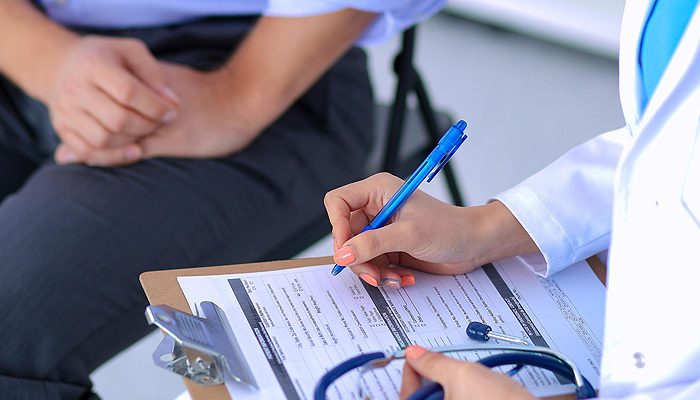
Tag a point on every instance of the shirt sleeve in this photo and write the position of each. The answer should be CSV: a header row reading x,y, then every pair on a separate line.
x,y
567,207
394,15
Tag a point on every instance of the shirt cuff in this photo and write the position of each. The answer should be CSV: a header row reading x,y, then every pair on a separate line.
x,y
556,250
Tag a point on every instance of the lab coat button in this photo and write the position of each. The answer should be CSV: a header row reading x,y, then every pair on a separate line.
x,y
639,360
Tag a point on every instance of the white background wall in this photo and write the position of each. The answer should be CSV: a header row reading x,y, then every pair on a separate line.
x,y
593,25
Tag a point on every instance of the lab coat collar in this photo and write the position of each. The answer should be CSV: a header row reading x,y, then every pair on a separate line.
x,y
678,66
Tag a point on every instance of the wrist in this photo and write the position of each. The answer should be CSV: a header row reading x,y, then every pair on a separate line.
x,y
39,82
501,234
243,104
32,34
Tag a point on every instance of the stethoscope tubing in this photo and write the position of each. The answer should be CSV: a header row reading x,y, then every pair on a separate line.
x,y
540,357
543,361
341,369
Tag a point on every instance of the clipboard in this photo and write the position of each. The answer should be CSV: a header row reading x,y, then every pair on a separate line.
x,y
162,287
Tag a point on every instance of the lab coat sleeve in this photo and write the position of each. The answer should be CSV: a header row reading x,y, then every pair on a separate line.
x,y
394,15
567,207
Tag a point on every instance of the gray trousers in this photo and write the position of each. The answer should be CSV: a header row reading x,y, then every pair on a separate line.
x,y
74,239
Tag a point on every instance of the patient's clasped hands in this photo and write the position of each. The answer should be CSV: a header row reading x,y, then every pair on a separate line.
x,y
113,103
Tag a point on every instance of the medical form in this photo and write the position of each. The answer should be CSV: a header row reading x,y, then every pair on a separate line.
x,y
295,324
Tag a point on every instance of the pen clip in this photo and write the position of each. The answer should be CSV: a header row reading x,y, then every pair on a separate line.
x,y
446,158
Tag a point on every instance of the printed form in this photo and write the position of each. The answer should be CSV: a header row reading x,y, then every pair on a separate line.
x,y
295,324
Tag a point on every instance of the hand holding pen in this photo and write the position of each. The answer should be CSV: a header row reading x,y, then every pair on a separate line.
x,y
425,234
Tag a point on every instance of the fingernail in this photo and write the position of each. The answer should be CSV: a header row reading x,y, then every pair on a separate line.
x,y
132,153
390,283
169,116
169,93
369,279
345,256
335,245
414,352
408,280
67,157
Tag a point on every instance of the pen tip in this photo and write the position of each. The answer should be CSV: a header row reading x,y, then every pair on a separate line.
x,y
461,125
336,269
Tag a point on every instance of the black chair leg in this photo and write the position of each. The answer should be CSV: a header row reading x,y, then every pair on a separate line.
x,y
404,70
431,126
409,81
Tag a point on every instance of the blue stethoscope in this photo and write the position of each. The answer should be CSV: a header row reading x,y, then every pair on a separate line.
x,y
518,353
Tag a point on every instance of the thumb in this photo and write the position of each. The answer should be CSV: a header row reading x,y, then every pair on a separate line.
x,y
433,366
371,244
139,60
161,144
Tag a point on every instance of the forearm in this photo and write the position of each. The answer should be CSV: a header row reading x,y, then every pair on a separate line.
x,y
31,47
281,58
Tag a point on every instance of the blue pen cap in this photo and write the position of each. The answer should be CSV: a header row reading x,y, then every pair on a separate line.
x,y
448,145
453,138
454,135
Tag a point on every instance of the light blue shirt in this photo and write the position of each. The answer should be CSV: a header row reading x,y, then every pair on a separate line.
x,y
395,16
664,28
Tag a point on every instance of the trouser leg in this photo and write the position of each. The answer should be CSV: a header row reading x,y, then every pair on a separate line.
x,y
21,151
14,169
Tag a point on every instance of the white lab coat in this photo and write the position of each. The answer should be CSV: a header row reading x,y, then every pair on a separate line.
x,y
636,190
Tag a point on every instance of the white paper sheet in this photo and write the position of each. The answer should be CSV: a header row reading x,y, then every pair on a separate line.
x,y
293,325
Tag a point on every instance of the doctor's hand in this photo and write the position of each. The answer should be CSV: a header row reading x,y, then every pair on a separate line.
x,y
106,95
459,379
425,234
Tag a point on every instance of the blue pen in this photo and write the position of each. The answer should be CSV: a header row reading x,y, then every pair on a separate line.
x,y
446,147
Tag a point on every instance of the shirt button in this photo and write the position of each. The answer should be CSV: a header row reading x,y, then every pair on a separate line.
x,y
639,360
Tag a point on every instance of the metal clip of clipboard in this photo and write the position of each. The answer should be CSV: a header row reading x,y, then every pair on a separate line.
x,y
203,349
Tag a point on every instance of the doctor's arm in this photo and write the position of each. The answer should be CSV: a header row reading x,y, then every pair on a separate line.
x,y
425,234
566,208
556,217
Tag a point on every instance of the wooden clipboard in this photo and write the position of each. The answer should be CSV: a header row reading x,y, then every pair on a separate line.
x,y
161,287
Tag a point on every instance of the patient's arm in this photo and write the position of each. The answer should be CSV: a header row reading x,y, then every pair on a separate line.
x,y
282,57
31,47
224,110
